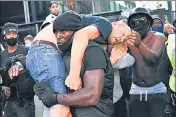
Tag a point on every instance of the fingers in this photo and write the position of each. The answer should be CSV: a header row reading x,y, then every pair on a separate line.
x,y
73,83
13,71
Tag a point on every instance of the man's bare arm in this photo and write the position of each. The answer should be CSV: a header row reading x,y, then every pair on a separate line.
x,y
134,51
80,42
152,54
89,94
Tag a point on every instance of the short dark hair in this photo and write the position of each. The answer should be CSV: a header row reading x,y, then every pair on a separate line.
x,y
29,37
53,2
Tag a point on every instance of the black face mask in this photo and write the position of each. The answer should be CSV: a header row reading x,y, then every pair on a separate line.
x,y
11,41
141,26
66,45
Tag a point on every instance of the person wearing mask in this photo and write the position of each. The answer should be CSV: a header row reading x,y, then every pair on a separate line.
x,y
14,74
28,40
147,91
158,25
76,22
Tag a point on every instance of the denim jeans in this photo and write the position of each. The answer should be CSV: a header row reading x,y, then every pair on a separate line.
x,y
45,64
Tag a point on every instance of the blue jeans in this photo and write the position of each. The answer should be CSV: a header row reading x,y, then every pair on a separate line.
x,y
45,64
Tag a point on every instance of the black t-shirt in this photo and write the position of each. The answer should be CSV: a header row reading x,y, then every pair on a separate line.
x,y
95,58
104,26
22,86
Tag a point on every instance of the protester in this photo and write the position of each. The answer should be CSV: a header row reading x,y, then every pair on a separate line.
x,y
95,99
147,91
14,74
28,40
158,25
75,24
168,29
119,59
88,28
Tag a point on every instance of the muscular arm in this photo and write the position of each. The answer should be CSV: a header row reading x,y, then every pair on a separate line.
x,y
90,94
152,54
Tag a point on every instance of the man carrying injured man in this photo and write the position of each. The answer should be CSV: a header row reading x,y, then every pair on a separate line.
x,y
90,27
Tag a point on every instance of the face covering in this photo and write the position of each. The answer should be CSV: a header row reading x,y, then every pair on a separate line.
x,y
142,30
157,29
140,25
11,41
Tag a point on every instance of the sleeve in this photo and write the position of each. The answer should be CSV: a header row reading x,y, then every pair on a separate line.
x,y
126,61
103,24
94,58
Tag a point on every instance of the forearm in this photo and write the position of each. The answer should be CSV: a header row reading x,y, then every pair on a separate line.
x,y
79,46
134,51
147,54
81,97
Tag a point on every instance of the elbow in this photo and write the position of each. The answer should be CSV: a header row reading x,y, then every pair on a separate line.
x,y
94,98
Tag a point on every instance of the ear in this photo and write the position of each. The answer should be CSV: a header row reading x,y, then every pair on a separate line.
x,y
50,9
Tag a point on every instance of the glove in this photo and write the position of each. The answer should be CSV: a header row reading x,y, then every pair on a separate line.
x,y
6,91
46,94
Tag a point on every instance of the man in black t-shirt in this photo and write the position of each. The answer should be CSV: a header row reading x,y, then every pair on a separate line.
x,y
85,28
95,99
15,75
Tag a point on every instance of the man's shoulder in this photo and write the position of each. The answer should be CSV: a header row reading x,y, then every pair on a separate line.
x,y
94,50
158,35
92,45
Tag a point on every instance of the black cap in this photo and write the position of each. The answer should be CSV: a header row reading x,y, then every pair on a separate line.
x,y
9,27
68,20
143,11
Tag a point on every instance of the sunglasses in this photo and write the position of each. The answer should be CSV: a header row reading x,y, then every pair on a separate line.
x,y
142,20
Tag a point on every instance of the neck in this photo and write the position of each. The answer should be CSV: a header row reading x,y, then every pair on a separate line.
x,y
12,49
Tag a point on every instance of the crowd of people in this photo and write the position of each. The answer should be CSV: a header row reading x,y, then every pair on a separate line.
x,y
81,65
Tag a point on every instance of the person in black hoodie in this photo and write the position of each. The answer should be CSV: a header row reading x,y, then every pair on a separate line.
x,y
15,75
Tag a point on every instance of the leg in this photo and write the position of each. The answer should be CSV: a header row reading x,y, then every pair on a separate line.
x,y
46,65
9,110
157,105
138,108
120,108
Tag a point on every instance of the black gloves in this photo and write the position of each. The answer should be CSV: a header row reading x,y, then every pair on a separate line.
x,y
46,94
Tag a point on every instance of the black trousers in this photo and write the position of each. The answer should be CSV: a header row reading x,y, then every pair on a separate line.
x,y
153,107
120,109
19,109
